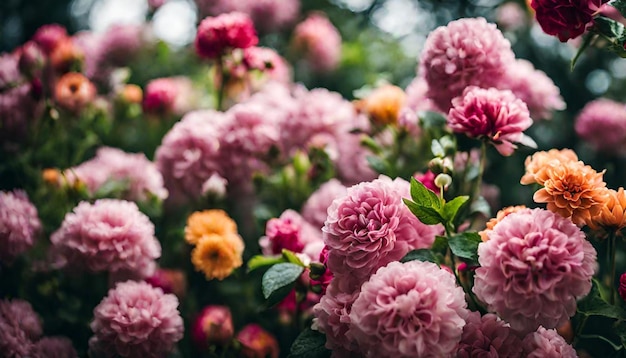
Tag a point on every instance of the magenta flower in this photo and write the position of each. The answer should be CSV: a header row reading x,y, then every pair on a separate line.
x,y
534,267
19,225
413,309
257,342
488,336
49,36
290,231
54,347
325,279
20,326
170,281
267,15
319,41
136,320
428,179
109,235
566,20
214,325
466,52
622,286
315,209
492,114
547,343
602,124
169,95
224,32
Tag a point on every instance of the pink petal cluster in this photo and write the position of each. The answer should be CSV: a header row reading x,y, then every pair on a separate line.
x,y
411,309
19,225
290,231
20,327
49,36
136,320
257,342
566,20
547,343
224,32
169,95
54,347
428,179
496,115
602,124
319,41
370,227
488,336
267,15
139,174
315,209
267,61
109,235
213,325
534,267
466,52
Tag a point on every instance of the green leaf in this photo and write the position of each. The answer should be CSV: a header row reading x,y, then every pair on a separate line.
x,y
422,196
585,44
613,32
465,245
259,261
594,305
440,244
451,208
619,5
424,255
378,164
481,206
613,345
279,280
426,215
430,119
309,344
291,257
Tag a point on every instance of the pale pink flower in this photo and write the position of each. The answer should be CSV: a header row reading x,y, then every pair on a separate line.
x,y
547,343
492,114
267,15
315,209
54,347
466,52
319,41
20,326
136,320
511,16
488,336
224,32
109,235
290,231
602,124
19,225
412,309
534,267
169,95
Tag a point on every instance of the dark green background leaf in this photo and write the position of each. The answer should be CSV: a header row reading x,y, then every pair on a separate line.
x,y
309,344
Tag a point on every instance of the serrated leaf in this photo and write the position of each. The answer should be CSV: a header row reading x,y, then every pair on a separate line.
x,y
309,344
291,257
259,261
594,305
279,280
424,255
465,245
423,196
451,208
426,215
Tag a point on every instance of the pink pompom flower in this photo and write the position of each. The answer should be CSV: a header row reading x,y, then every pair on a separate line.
x,y
109,235
227,31
290,231
136,320
565,19
49,36
20,327
488,336
602,124
547,343
315,209
534,267
319,41
19,225
492,114
411,309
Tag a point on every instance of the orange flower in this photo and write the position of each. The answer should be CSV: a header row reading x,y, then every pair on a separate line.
x,y
131,93
540,161
74,91
51,176
208,222
499,216
572,189
383,104
66,56
218,255
612,217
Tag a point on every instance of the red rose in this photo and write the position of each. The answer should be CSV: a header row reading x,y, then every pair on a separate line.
x,y
566,19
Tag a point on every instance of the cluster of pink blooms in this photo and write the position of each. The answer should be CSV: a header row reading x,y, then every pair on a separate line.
x,y
319,41
291,232
602,124
267,15
19,225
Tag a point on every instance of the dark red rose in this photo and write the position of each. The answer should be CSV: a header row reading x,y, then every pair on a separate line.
x,y
566,19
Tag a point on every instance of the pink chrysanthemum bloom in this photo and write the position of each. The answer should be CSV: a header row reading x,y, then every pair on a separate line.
x,y
370,227
492,114
257,342
602,124
488,336
547,343
20,326
227,31
136,320
315,209
267,15
466,52
54,347
534,88
19,225
411,309
290,231
534,267
319,41
109,235
169,95
140,174
49,36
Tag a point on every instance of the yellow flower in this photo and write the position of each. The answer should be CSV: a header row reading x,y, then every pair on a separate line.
x,y
218,255
383,104
208,222
484,235
612,217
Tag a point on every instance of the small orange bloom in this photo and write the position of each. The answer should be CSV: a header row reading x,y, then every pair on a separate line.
x,y
52,176
572,189
132,94
484,235
538,163
74,91
383,104
208,222
612,217
66,56
218,255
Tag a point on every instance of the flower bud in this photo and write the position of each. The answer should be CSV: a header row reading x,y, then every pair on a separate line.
x,y
51,176
31,59
428,180
213,326
436,165
131,93
257,342
48,36
443,181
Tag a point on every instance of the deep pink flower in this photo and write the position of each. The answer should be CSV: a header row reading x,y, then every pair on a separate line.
x,y
315,209
319,41
466,52
290,231
267,15
566,20
136,320
109,235
54,347
547,343
488,336
622,286
428,179
602,124
227,31
170,281
169,95
49,36
492,114
19,225
534,267
324,280
20,326
214,325
257,342
411,309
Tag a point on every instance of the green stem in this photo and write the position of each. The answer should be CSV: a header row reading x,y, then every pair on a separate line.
x,y
612,251
481,169
579,330
222,77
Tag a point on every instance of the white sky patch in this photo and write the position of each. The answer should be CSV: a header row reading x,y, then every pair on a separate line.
x,y
109,12
397,17
175,22
354,5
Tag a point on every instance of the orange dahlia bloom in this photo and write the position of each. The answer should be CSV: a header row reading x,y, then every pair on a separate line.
x,y
74,91
539,162
484,235
218,255
612,216
383,104
572,189
208,222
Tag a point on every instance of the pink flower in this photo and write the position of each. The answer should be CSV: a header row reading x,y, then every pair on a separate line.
x,y
319,41
120,44
109,235
49,36
290,231
169,95
20,326
136,320
416,101
566,20
54,347
31,59
428,179
214,325
602,123
267,15
224,32
19,225
466,52
170,281
494,115
488,336
324,280
622,286
547,343
534,267
511,16
257,342
370,227
267,61
411,309
315,209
